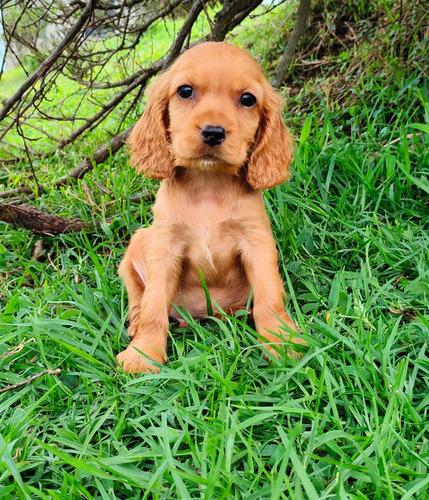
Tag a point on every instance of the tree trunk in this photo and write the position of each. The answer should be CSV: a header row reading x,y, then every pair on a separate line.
x,y
301,21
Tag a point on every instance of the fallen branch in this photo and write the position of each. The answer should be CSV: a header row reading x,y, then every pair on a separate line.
x,y
37,221
30,379
409,136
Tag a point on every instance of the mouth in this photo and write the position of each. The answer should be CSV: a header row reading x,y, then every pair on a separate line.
x,y
204,161
208,163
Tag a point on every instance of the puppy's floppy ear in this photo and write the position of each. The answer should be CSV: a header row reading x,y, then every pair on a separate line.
x,y
148,140
269,161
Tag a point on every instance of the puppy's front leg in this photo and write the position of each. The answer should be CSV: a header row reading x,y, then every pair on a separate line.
x,y
259,257
164,266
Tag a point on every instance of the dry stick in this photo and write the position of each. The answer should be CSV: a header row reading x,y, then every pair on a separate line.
x,y
208,18
409,136
18,348
21,148
30,379
298,29
17,191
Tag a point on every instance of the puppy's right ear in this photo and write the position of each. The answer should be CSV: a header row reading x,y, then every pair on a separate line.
x,y
148,141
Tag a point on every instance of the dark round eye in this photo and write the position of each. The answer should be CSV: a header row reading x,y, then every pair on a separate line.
x,y
247,100
185,92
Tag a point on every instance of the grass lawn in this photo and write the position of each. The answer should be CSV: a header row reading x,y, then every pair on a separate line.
x,y
348,420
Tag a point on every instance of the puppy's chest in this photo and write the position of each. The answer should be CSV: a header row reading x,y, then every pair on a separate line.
x,y
213,242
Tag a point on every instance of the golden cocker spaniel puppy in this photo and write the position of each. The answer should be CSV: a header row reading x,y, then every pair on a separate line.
x,y
213,130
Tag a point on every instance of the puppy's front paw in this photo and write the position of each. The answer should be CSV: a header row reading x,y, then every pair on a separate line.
x,y
281,349
275,343
138,358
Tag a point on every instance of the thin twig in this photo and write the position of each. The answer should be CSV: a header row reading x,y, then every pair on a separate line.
x,y
16,349
408,136
28,381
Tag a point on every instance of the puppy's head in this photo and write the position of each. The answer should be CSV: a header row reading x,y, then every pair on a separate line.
x,y
214,111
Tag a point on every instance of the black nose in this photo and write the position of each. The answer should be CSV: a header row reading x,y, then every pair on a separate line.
x,y
213,136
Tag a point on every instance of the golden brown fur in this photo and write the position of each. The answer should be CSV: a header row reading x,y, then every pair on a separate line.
x,y
209,212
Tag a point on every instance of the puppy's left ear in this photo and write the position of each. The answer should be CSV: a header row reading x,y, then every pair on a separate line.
x,y
148,141
269,161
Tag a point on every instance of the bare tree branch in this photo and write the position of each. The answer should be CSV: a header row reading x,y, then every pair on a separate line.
x,y
22,190
233,12
185,30
144,77
298,30
46,65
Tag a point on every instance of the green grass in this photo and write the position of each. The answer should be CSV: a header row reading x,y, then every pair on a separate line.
x,y
348,420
